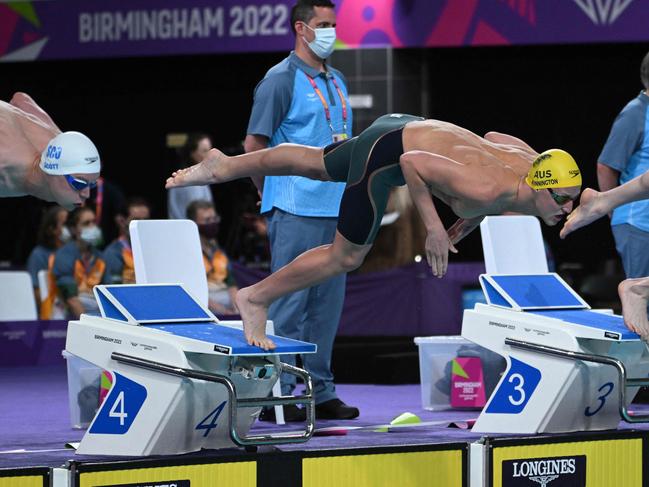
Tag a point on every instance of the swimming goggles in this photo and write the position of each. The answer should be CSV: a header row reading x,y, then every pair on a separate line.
x,y
560,199
79,184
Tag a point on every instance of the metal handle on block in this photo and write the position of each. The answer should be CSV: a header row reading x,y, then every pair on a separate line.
x,y
234,403
599,359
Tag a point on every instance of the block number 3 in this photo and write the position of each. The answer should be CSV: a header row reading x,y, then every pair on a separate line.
x,y
518,388
602,399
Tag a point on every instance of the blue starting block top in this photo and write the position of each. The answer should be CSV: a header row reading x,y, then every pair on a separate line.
x,y
150,303
527,292
550,296
612,325
232,341
171,309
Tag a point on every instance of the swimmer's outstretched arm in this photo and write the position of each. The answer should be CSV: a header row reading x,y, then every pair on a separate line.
x,y
281,160
594,205
25,130
438,243
27,104
462,227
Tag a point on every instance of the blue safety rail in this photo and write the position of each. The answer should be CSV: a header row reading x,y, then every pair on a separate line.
x,y
612,326
538,291
158,303
232,341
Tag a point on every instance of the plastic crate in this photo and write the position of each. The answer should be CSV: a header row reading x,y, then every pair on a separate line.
x,y
435,356
84,384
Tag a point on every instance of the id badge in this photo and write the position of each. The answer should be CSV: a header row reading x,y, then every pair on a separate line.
x,y
339,137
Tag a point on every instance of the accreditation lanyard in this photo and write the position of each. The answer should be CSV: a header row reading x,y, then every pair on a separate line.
x,y
326,105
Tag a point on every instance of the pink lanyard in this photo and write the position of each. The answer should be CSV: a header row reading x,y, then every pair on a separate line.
x,y
326,106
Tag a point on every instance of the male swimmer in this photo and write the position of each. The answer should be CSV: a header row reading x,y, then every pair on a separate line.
x,y
37,159
475,176
634,293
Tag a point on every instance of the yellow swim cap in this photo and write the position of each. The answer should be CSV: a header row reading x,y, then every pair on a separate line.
x,y
554,168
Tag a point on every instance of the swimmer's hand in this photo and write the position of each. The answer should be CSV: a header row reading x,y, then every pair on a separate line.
x,y
592,206
438,244
462,227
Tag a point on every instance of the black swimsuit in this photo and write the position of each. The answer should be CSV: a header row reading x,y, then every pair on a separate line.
x,y
369,163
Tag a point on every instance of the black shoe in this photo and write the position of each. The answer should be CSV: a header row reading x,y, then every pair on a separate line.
x,y
292,414
335,409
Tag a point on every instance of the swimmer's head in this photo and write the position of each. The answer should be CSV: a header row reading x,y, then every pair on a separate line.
x,y
555,171
70,153
73,156
554,168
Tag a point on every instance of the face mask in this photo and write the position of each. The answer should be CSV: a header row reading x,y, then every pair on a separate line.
x,y
91,235
65,235
209,230
323,44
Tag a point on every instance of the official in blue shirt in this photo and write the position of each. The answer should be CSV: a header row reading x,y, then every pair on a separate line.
x,y
624,157
304,101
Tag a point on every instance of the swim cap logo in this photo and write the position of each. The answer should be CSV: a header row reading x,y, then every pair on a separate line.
x,y
90,160
574,173
543,174
543,178
540,159
54,152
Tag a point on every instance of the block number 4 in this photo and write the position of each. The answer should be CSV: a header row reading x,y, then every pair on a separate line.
x,y
212,417
518,388
602,399
117,409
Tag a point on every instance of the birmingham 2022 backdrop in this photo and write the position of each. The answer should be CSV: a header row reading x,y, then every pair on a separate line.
x,y
67,29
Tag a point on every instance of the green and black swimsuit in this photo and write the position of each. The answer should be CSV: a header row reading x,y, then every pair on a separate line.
x,y
369,164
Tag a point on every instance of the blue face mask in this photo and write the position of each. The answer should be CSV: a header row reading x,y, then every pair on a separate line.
x,y
323,44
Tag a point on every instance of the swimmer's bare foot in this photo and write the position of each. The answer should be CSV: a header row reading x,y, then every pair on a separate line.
x,y
591,207
634,294
254,320
205,172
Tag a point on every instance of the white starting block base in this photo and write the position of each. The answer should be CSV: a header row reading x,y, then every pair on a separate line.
x,y
178,384
543,391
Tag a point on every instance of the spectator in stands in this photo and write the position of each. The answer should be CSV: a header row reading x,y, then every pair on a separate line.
x,y
220,282
118,255
255,247
178,199
50,237
78,266
107,200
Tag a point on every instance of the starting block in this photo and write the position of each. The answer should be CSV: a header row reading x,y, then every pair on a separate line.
x,y
180,381
567,366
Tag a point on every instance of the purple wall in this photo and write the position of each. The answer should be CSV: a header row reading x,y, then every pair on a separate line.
x,y
407,301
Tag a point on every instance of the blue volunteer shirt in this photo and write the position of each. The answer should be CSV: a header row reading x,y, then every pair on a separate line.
x,y
38,260
287,109
627,151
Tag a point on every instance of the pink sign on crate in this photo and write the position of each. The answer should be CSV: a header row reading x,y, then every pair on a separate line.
x,y
467,383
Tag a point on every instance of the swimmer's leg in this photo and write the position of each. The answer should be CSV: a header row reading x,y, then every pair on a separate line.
x,y
282,160
634,294
308,269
